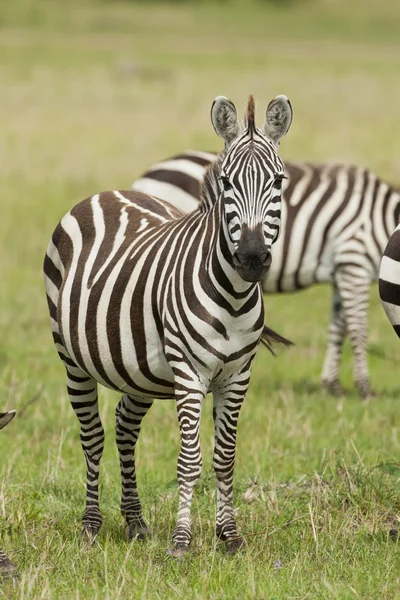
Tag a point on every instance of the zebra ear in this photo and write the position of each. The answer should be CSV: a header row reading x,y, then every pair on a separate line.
x,y
224,119
278,118
6,418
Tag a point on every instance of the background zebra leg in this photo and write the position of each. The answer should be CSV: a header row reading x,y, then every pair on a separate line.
x,y
189,467
337,332
129,415
355,297
82,391
227,405
7,568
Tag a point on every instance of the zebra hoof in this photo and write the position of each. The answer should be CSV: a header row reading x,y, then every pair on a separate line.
x,y
394,535
333,388
367,394
138,531
234,546
179,550
7,569
89,535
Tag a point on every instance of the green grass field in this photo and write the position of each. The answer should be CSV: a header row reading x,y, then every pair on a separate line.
x,y
91,94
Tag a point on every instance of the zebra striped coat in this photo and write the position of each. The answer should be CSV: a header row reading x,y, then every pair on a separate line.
x,y
7,568
389,280
336,219
157,304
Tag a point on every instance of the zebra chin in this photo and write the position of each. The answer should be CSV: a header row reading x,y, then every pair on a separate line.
x,y
251,272
252,266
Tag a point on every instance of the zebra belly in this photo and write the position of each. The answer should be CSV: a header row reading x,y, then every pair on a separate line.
x,y
289,276
131,376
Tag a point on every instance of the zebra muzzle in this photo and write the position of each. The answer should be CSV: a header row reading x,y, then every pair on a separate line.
x,y
252,259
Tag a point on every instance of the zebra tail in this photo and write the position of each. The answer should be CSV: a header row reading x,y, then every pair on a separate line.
x,y
269,337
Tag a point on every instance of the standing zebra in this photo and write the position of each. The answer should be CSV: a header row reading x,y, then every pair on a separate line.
x,y
389,280
7,568
337,220
158,304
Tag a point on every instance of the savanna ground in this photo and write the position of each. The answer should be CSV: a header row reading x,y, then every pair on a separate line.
x,y
91,94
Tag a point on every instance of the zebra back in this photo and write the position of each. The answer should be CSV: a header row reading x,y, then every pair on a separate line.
x,y
332,214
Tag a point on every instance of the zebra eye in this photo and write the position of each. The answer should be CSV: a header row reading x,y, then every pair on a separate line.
x,y
278,181
226,184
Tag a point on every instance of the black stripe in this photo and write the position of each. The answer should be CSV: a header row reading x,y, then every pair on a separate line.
x,y
389,292
52,272
185,182
393,247
198,160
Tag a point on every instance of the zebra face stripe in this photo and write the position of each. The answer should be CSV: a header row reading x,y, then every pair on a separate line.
x,y
251,189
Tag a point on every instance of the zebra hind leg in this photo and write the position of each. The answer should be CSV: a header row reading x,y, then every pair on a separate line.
x,y
337,332
354,291
7,569
129,415
82,391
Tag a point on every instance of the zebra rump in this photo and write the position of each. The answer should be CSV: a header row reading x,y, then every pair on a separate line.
x,y
389,280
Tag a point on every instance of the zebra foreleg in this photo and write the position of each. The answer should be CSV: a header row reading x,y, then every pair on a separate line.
x,y
129,415
337,332
189,465
82,391
227,404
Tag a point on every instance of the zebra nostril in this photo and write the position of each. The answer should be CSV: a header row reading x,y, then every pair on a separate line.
x,y
268,259
236,260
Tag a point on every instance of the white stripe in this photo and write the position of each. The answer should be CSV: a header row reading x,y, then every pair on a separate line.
x,y
390,270
166,191
393,312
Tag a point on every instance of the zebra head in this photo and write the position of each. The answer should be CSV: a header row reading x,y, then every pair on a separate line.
x,y
6,418
251,181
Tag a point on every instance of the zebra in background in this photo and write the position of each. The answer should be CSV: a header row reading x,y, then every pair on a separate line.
x,y
389,280
7,568
337,220
158,304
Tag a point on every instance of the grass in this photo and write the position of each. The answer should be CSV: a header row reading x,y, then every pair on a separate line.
x,y
91,95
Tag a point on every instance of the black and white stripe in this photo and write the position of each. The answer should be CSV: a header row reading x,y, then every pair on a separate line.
x,y
336,219
7,568
158,304
389,280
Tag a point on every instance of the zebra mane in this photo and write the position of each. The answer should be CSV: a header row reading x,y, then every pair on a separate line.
x,y
250,115
210,187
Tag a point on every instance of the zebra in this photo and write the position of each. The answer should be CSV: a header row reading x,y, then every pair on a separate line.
x,y
158,304
389,280
7,568
337,220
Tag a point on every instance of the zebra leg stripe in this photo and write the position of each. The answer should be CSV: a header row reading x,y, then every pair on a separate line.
x,y
7,568
189,405
355,296
227,405
82,391
337,332
129,416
